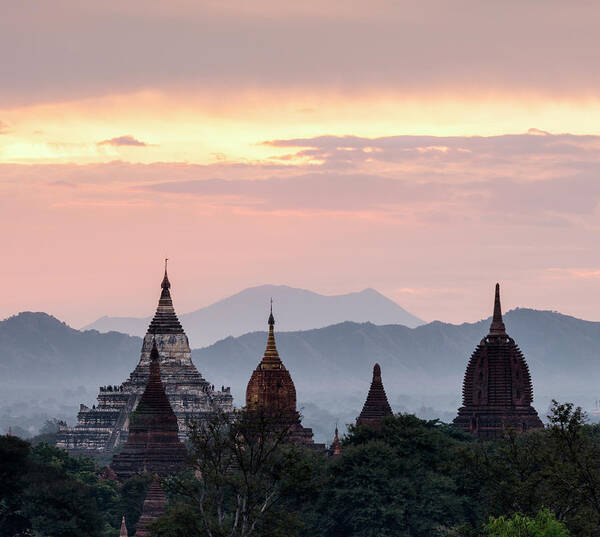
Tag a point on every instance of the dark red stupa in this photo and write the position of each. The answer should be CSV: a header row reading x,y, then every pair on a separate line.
x,y
154,507
497,389
376,406
271,390
153,444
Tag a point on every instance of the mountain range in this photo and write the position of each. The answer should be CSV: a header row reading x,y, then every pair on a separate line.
x,y
48,368
247,311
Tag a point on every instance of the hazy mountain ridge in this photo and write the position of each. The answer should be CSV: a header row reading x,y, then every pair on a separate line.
x,y
247,310
555,345
38,347
46,366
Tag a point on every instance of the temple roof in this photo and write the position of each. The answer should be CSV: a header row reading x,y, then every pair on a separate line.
x,y
376,406
165,319
154,411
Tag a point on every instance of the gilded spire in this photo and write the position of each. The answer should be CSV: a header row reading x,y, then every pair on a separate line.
x,y
336,446
497,327
271,355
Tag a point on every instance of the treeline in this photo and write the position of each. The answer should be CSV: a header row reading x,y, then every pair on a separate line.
x,y
410,478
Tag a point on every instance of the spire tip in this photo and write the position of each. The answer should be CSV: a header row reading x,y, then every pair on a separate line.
x,y
497,326
271,317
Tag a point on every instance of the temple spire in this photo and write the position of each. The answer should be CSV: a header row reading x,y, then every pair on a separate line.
x,y
165,319
166,284
336,446
153,443
271,354
497,327
123,532
376,406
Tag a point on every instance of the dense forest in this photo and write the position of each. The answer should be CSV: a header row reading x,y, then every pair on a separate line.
x,y
409,478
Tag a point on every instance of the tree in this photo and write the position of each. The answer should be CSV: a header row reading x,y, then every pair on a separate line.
x,y
395,481
557,467
243,469
14,464
544,524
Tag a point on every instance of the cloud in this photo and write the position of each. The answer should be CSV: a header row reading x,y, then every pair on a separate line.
x,y
576,273
124,140
522,180
414,47
4,128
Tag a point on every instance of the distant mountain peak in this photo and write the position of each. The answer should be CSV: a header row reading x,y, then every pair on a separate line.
x,y
297,309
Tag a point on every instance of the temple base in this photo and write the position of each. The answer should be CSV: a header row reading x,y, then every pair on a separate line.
x,y
489,423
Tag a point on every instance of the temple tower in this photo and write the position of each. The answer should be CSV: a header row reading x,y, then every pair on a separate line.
x,y
154,507
497,388
271,390
106,426
376,406
123,532
336,446
153,444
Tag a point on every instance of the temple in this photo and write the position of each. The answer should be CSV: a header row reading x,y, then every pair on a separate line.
x,y
271,390
376,406
105,426
335,450
153,443
154,507
497,388
123,532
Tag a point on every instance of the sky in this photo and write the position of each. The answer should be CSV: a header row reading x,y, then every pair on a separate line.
x,y
426,149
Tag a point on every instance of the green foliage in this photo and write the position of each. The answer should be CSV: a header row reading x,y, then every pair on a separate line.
x,y
14,454
558,468
409,478
131,501
247,479
544,524
46,491
395,481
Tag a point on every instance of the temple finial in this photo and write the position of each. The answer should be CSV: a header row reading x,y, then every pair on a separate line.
x,y
123,532
497,326
376,373
271,318
166,284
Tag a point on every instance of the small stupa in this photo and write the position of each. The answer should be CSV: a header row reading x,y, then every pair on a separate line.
x,y
376,406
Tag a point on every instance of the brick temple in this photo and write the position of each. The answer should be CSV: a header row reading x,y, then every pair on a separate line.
x,y
153,508
271,390
105,426
153,443
497,388
376,406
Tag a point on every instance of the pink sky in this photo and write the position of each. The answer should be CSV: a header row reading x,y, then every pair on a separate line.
x,y
413,147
